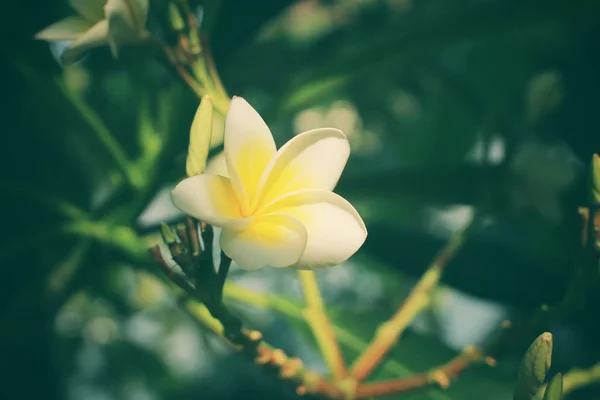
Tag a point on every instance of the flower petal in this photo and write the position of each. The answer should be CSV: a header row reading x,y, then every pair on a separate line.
x,y
249,146
69,28
200,134
124,24
274,240
334,227
91,10
216,165
93,37
312,160
209,198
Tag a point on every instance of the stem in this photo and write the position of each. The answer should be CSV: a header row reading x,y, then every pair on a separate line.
x,y
224,266
209,63
177,278
251,344
194,50
193,236
181,71
291,369
316,318
440,375
389,332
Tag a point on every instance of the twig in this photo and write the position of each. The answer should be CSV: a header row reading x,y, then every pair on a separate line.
x,y
317,319
389,332
217,319
291,370
441,376
171,56
224,266
251,344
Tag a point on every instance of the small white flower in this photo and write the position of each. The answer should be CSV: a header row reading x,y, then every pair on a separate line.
x,y
98,23
276,208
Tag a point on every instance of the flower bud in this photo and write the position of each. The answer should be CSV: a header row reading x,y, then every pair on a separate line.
x,y
167,233
534,367
200,135
175,18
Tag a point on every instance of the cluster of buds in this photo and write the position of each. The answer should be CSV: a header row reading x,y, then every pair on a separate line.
x,y
200,281
198,277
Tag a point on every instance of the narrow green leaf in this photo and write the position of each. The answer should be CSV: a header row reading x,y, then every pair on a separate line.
x,y
596,179
544,95
554,391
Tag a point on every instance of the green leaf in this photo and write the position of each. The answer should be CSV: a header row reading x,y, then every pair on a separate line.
x,y
544,95
554,390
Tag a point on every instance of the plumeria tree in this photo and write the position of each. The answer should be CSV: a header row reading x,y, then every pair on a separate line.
x,y
245,204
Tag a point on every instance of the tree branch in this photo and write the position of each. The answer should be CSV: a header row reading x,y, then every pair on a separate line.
x,y
317,319
389,332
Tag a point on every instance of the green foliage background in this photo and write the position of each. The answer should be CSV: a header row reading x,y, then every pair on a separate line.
x,y
428,80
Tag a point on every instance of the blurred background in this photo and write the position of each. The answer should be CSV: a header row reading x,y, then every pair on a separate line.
x,y
484,108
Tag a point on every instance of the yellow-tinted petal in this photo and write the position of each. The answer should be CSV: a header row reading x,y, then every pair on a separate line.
x,y
69,28
94,37
126,22
209,198
91,10
217,165
335,229
249,146
200,135
275,240
312,160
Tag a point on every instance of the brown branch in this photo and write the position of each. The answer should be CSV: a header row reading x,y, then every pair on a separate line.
x,y
171,56
441,376
250,343
389,332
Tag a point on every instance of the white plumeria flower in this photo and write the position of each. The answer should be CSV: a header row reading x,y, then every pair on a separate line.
x,y
98,23
276,208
